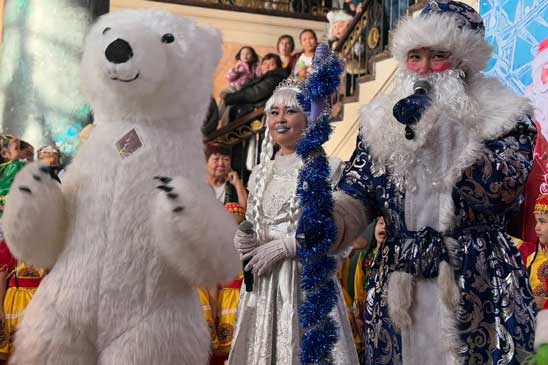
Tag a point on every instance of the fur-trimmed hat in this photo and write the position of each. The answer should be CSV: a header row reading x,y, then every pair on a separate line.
x,y
446,26
335,16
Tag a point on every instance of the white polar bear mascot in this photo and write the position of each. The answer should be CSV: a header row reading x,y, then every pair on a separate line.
x,y
124,255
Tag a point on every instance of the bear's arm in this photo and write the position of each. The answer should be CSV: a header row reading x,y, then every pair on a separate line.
x,y
35,220
194,233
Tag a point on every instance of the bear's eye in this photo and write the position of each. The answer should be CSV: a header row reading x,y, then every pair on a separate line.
x,y
106,30
168,38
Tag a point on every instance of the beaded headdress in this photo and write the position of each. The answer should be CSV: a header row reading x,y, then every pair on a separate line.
x,y
285,94
541,204
51,149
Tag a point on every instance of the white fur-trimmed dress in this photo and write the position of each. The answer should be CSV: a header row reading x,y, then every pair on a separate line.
x,y
267,331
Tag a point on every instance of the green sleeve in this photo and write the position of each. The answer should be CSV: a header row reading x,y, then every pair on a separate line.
x,y
7,175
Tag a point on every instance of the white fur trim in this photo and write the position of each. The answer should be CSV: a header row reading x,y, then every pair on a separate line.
x,y
400,299
497,110
541,333
449,290
351,219
35,223
469,50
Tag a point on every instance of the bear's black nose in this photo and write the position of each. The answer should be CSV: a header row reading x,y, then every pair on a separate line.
x,y
119,51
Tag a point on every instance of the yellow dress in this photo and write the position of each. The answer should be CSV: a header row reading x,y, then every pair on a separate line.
x,y
356,305
227,308
203,295
21,288
539,273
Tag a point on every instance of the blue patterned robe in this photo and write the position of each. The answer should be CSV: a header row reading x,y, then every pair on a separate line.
x,y
495,315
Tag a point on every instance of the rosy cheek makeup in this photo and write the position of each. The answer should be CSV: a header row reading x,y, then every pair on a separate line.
x,y
440,66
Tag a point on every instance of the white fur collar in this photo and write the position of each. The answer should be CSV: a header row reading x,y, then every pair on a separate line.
x,y
498,109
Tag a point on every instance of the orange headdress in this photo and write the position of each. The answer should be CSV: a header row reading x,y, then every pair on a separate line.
x,y
541,204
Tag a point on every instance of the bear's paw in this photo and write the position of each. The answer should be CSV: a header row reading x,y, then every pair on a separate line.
x,y
34,220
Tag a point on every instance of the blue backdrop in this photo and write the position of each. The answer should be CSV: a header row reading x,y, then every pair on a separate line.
x,y
515,28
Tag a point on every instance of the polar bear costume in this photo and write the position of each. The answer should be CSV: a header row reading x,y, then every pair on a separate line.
x,y
125,255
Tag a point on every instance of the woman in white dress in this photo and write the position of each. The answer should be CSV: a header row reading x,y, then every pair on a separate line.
x,y
267,331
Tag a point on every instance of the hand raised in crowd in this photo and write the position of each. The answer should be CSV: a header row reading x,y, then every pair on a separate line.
x,y
234,179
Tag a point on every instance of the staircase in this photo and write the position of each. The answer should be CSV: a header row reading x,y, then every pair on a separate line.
x,y
365,43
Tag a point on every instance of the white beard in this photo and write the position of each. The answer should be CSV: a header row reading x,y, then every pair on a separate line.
x,y
448,90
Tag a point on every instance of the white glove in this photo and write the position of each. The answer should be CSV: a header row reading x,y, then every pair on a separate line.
x,y
265,256
245,242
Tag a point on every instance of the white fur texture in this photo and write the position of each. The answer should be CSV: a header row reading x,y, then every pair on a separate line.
x,y
541,332
194,229
35,222
121,291
495,111
351,219
401,287
449,291
469,51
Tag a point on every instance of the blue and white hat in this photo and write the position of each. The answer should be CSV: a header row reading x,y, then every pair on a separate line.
x,y
448,26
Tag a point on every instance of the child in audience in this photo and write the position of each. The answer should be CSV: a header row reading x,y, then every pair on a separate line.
x,y
51,156
10,164
355,275
309,42
245,70
27,151
537,262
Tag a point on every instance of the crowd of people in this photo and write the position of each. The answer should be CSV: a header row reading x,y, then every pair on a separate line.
x,y
427,273
252,79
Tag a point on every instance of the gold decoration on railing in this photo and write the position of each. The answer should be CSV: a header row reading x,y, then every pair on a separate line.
x,y
354,36
240,129
373,38
240,134
257,125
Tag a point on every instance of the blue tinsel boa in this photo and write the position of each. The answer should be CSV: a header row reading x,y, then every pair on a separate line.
x,y
316,230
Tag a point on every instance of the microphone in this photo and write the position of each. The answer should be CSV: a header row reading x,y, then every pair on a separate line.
x,y
422,87
409,110
247,227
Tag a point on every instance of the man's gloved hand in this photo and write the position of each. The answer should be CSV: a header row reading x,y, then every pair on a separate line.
x,y
245,242
263,257
409,110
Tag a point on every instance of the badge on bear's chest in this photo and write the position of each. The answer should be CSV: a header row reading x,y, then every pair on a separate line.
x,y
129,143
